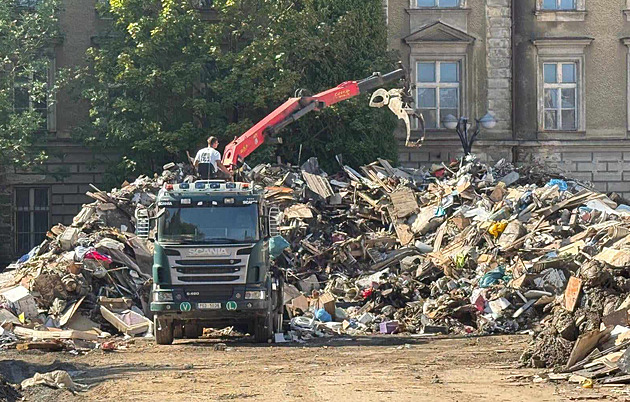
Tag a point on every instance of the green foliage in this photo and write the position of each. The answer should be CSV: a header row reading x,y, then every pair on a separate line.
x,y
27,34
165,79
140,84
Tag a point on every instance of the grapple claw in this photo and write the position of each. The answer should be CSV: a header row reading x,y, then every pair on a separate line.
x,y
394,100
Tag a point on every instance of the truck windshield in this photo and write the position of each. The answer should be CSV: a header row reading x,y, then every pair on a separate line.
x,y
209,225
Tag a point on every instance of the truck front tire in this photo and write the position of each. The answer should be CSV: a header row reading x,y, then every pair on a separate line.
x,y
163,331
266,327
263,329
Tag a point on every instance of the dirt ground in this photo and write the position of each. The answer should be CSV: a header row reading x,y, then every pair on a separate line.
x,y
332,369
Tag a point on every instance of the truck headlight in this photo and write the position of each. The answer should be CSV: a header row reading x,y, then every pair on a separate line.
x,y
255,295
162,297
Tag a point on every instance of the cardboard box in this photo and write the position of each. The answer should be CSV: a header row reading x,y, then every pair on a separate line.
x,y
22,301
325,301
297,303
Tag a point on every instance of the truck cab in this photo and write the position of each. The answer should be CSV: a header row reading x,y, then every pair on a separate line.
x,y
211,261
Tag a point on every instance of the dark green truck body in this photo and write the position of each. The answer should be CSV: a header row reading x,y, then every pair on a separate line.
x,y
211,262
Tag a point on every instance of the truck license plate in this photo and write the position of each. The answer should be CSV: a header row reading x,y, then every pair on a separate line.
x,y
209,306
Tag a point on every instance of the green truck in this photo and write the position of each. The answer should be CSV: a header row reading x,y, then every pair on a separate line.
x,y
211,261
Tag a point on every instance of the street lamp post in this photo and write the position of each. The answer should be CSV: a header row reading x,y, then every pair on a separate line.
x,y
463,126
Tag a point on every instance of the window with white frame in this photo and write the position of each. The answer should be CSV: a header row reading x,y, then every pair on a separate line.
x,y
32,217
560,92
560,10
559,5
438,3
561,83
438,87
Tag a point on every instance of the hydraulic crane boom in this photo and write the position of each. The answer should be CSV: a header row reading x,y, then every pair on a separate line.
x,y
294,108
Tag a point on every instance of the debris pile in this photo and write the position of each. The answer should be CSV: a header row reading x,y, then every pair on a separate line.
x,y
86,281
460,248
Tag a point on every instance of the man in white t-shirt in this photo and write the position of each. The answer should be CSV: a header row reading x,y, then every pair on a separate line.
x,y
207,157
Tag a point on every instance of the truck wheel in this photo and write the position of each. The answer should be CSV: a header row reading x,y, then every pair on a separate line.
x,y
264,328
163,331
191,331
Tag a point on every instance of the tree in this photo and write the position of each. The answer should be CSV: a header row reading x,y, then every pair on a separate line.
x,y
165,79
140,83
28,31
274,47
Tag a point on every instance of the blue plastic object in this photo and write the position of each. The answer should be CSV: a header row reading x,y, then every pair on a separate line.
x,y
30,255
492,277
322,315
276,245
562,185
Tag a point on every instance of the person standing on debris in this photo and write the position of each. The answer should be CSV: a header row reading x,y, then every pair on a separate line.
x,y
208,162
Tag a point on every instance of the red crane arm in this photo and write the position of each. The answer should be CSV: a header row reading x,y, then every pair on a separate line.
x,y
294,108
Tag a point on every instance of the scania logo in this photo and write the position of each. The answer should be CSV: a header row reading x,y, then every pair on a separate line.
x,y
210,252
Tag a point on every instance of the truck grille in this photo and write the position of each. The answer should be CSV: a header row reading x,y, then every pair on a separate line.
x,y
209,270
223,264
206,262
213,279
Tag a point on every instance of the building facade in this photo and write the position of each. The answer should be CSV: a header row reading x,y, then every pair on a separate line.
x,y
555,73
32,201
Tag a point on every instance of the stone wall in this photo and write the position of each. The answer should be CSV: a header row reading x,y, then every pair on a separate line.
x,y
499,61
605,164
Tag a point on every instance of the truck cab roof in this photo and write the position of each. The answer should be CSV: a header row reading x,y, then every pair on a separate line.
x,y
201,192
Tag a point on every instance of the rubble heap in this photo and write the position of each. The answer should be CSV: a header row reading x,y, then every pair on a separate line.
x,y
461,248
84,281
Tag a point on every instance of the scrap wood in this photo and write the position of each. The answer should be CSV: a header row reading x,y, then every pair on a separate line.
x,y
404,202
622,379
357,177
392,171
579,365
579,198
404,233
298,211
374,177
27,333
437,244
572,293
615,258
48,346
369,200
318,184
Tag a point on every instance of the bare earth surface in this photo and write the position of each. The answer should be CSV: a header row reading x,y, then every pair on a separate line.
x,y
337,369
